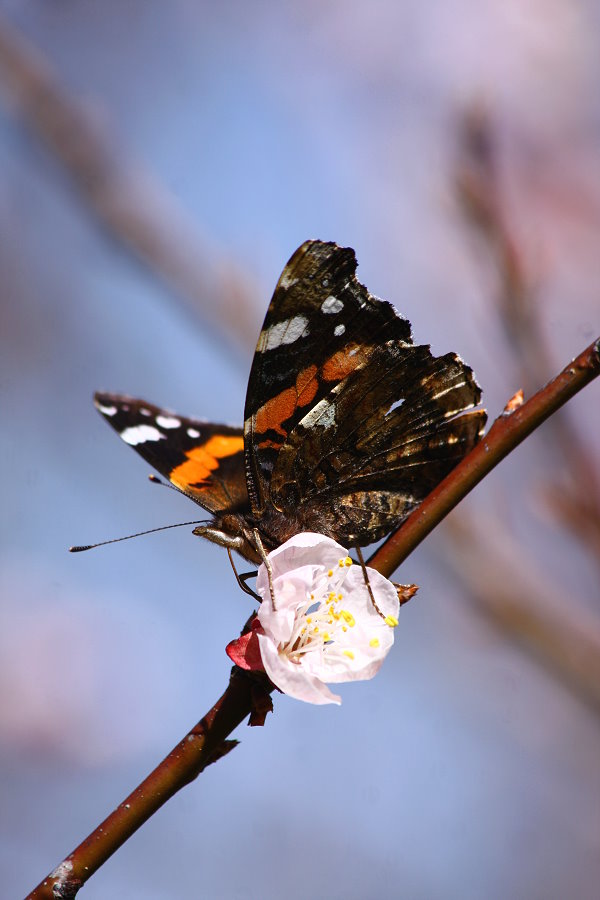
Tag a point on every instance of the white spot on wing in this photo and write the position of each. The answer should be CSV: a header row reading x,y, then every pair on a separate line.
x,y
139,434
283,333
327,418
168,422
321,416
193,433
286,281
339,330
107,410
332,305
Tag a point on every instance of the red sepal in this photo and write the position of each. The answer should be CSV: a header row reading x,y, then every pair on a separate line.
x,y
245,651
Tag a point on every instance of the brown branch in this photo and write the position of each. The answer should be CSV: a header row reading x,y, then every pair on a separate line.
x,y
134,208
203,745
207,741
506,433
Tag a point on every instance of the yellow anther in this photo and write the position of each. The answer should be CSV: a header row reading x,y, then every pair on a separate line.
x,y
316,629
348,618
344,628
347,561
309,619
330,573
326,636
340,596
341,563
374,642
349,654
391,621
312,596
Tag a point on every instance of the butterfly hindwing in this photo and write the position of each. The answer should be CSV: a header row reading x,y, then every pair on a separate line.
x,y
384,444
204,460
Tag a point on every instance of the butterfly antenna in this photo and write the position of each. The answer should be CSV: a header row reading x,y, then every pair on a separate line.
x,y
156,480
80,549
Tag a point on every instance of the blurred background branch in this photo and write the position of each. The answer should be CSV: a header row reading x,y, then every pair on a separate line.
x,y
574,497
134,208
547,621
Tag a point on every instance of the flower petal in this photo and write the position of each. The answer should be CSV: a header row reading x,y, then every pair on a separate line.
x,y
293,679
305,549
290,593
358,653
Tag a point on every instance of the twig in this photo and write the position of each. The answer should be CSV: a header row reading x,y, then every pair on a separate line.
x,y
128,201
203,745
207,741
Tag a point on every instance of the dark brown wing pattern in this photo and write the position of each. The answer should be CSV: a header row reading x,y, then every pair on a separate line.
x,y
359,424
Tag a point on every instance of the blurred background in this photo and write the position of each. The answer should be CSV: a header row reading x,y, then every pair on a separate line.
x,y
159,163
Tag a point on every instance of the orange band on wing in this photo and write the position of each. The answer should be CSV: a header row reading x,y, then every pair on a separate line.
x,y
306,385
273,413
202,461
344,362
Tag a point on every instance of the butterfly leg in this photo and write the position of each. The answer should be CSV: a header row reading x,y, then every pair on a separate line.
x,y
367,582
404,591
241,579
263,554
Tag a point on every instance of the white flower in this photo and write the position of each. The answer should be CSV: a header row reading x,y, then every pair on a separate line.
x,y
324,626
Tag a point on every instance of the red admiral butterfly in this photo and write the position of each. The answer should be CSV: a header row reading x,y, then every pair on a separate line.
x,y
347,427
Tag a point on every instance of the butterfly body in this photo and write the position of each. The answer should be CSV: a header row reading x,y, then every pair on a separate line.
x,y
347,425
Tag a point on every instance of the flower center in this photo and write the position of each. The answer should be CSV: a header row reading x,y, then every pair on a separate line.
x,y
321,617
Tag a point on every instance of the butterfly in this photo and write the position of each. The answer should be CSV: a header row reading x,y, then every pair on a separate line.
x,y
348,425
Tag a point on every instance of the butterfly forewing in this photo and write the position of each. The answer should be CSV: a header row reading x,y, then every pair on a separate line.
x,y
319,327
204,460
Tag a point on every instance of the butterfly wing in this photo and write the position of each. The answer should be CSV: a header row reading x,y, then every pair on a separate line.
x,y
355,437
379,443
204,460
317,306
